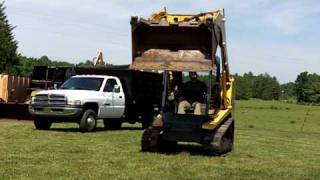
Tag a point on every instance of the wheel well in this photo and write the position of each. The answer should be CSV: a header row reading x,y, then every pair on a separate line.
x,y
93,106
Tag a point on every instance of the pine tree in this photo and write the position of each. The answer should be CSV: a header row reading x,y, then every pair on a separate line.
x,y
8,46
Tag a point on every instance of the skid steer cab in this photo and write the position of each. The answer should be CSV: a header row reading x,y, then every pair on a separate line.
x,y
177,44
180,120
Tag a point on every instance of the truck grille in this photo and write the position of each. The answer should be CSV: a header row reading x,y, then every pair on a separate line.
x,y
50,99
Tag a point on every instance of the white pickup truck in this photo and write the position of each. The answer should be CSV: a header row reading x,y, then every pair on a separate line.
x,y
82,99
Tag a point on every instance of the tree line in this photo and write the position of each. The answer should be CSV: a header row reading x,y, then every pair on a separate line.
x,y
305,89
262,86
26,64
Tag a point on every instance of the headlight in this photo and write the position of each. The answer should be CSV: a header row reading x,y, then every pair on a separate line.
x,y
32,100
74,102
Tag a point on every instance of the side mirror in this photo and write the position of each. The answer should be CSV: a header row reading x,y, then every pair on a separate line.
x,y
116,88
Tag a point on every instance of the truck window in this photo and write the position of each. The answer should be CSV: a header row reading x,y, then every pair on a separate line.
x,y
110,85
83,83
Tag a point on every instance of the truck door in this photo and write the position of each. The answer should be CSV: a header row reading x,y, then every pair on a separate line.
x,y
107,108
118,98
114,104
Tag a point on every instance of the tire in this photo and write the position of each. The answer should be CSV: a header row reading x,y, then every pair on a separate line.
x,y
112,124
88,121
42,123
150,141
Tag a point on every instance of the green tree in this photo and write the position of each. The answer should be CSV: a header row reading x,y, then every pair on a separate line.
x,y
26,64
8,46
262,86
301,86
308,87
243,87
288,90
87,63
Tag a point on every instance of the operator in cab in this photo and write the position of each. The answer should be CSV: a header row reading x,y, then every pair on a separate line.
x,y
193,94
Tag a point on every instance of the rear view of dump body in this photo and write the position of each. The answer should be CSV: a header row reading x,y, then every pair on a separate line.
x,y
183,43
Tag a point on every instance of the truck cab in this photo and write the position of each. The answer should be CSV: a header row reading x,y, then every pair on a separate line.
x,y
82,99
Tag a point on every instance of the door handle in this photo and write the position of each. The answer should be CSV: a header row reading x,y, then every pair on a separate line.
x,y
120,97
107,104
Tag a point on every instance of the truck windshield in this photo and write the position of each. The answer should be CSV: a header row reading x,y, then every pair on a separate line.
x,y
83,83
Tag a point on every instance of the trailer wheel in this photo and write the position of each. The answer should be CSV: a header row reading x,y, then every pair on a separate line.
x,y
42,123
88,121
112,124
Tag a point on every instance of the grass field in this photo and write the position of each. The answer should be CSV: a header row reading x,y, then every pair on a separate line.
x,y
274,140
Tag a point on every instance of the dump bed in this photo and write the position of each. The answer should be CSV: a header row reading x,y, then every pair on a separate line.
x,y
139,87
143,91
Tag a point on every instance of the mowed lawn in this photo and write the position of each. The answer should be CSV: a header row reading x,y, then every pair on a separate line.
x,y
274,140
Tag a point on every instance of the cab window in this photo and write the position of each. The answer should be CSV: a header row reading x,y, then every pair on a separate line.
x,y
110,85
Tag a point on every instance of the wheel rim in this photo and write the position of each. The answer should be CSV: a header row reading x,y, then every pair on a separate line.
x,y
91,122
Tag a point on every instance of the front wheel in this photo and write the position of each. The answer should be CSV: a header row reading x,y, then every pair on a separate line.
x,y
88,121
42,123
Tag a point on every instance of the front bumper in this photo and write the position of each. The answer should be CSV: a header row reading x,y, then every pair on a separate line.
x,y
61,111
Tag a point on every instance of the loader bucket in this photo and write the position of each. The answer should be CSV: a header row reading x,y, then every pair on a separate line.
x,y
146,36
175,42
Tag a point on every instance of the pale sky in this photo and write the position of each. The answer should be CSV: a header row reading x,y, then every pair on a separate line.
x,y
278,37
